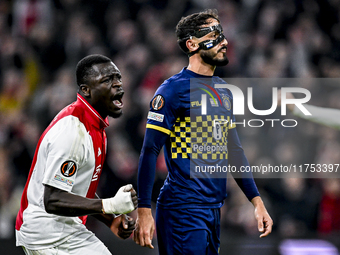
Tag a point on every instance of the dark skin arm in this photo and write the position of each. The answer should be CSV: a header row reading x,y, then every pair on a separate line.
x,y
63,203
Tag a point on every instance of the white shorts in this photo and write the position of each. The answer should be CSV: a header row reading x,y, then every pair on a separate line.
x,y
84,243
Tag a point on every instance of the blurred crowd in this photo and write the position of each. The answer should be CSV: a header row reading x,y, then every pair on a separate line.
x,y
41,42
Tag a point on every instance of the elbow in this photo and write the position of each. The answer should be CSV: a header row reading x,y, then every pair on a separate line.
x,y
150,148
49,208
153,141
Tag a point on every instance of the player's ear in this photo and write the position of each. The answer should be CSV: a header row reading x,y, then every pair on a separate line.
x,y
85,90
192,44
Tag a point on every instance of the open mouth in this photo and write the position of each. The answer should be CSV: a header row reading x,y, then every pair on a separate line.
x,y
117,101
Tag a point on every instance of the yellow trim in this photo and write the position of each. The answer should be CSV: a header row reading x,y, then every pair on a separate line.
x,y
164,130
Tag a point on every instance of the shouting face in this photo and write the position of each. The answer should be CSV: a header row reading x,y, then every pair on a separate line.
x,y
106,92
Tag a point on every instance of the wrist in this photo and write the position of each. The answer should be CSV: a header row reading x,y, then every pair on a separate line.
x,y
144,205
144,211
257,201
105,206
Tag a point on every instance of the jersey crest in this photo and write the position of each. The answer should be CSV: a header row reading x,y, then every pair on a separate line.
x,y
158,102
68,168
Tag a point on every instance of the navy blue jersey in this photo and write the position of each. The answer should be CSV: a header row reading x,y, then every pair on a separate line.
x,y
193,138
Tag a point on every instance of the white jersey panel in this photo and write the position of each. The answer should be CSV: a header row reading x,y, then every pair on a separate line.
x,y
65,160
70,156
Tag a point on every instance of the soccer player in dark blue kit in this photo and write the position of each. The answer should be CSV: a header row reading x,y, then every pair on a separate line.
x,y
188,207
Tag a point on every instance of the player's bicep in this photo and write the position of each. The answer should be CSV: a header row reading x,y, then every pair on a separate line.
x,y
163,111
51,194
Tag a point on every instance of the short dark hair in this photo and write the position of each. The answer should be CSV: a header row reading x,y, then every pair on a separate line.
x,y
84,67
191,23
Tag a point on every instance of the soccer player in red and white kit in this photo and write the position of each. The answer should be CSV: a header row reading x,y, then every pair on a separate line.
x,y
61,186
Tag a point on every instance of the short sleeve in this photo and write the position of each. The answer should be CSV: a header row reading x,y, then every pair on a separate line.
x,y
65,153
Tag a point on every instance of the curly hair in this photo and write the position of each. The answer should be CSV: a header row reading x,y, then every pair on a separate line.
x,y
84,67
191,23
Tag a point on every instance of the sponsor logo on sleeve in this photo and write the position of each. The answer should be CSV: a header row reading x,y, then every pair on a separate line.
x,y
68,168
157,102
63,180
155,116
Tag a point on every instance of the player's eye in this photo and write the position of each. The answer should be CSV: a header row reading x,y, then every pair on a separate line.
x,y
107,80
118,77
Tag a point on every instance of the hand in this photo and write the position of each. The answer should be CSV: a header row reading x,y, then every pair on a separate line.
x,y
123,202
264,221
145,227
123,226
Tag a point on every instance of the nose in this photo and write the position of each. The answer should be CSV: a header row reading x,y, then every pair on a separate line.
x,y
120,89
224,41
117,84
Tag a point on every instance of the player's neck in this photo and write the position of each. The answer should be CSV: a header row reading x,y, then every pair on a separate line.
x,y
102,113
197,65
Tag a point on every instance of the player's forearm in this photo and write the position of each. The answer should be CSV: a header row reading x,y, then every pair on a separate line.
x,y
63,203
153,143
105,218
146,177
238,159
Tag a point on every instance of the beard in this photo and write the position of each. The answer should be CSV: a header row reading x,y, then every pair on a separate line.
x,y
210,58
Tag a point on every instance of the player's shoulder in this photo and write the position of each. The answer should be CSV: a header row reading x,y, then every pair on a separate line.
x,y
223,91
67,124
175,84
180,77
66,131
218,79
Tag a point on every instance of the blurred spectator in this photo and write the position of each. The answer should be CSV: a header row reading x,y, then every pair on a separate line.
x,y
329,220
30,13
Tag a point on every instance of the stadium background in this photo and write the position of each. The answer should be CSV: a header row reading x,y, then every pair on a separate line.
x,y
42,40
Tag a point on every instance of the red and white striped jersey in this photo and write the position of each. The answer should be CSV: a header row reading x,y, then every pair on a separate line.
x,y
69,156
